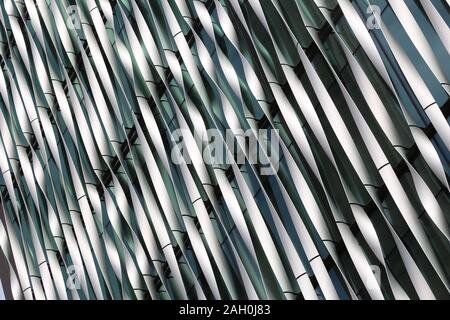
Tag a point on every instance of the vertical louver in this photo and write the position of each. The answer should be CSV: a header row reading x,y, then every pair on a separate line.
x,y
99,99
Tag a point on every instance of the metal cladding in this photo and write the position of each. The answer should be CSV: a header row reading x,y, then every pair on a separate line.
x,y
98,97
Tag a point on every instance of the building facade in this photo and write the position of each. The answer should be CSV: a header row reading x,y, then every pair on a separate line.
x,y
333,185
